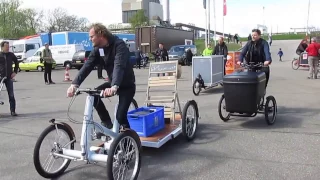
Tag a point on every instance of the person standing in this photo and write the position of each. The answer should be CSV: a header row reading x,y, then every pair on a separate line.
x,y
137,54
162,53
207,51
6,60
189,56
313,58
270,39
221,49
99,70
280,53
47,59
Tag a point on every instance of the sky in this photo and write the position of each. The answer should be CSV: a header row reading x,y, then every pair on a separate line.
x,y
242,15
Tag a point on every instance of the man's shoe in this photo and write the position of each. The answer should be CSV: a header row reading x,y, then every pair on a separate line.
x,y
52,82
100,77
14,114
47,83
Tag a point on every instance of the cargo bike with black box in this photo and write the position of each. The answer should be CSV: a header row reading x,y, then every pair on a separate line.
x,y
162,118
207,72
244,95
118,150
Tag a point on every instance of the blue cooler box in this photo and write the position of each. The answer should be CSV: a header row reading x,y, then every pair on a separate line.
x,y
147,121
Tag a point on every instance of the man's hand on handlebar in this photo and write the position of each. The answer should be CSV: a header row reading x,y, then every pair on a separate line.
x,y
267,63
110,91
71,90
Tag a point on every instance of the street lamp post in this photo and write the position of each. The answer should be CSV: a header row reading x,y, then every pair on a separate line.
x,y
308,18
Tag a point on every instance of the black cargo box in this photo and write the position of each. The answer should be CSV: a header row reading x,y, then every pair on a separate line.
x,y
243,91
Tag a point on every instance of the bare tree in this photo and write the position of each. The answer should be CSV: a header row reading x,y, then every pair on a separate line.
x,y
60,20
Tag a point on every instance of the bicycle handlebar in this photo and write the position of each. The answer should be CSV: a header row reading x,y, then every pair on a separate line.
x,y
92,92
251,65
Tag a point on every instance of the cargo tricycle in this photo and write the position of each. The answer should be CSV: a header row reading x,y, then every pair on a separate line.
x,y
119,150
302,61
207,72
244,95
167,119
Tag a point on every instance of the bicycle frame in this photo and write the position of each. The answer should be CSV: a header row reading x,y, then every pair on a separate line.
x,y
1,87
89,153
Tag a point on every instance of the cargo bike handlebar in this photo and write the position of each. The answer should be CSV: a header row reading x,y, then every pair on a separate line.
x,y
252,66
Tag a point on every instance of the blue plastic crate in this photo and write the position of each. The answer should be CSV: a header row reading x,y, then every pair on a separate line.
x,y
147,121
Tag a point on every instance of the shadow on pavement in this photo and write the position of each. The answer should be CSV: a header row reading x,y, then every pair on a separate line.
x,y
286,118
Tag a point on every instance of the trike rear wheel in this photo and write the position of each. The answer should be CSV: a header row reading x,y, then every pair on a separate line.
x,y
124,150
270,110
44,168
295,64
224,115
190,115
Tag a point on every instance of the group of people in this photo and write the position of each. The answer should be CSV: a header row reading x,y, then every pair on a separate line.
x,y
115,60
313,51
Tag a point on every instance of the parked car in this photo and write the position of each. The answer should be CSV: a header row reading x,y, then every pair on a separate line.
x,y
178,53
32,65
79,58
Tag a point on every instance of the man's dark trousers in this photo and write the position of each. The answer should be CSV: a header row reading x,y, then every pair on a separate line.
x,y
12,100
47,72
125,98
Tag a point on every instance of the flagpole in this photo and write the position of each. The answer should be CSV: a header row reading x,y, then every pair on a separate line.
x,y
209,29
215,22
205,30
224,14
223,27
308,18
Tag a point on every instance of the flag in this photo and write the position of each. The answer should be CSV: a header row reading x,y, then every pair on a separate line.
x,y
205,4
224,7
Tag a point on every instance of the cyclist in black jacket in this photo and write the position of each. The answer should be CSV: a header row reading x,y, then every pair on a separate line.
x,y
114,55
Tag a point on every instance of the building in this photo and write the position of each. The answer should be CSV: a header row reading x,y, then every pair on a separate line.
x,y
152,9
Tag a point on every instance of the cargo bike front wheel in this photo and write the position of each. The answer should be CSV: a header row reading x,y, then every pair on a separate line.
x,y
224,115
270,110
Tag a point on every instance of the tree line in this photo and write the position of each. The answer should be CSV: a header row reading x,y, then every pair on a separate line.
x,y
16,22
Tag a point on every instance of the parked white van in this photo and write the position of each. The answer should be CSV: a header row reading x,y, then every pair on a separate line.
x,y
24,48
62,54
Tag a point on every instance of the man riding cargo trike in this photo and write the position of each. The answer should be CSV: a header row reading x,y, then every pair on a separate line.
x,y
244,91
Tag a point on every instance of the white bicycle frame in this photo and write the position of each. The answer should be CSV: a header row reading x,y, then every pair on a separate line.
x,y
89,153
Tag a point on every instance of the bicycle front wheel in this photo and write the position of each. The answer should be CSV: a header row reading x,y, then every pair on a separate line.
x,y
59,137
124,158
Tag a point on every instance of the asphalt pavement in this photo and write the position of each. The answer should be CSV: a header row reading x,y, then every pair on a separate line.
x,y
241,149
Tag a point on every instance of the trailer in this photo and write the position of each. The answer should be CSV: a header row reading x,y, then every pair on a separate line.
x,y
149,37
